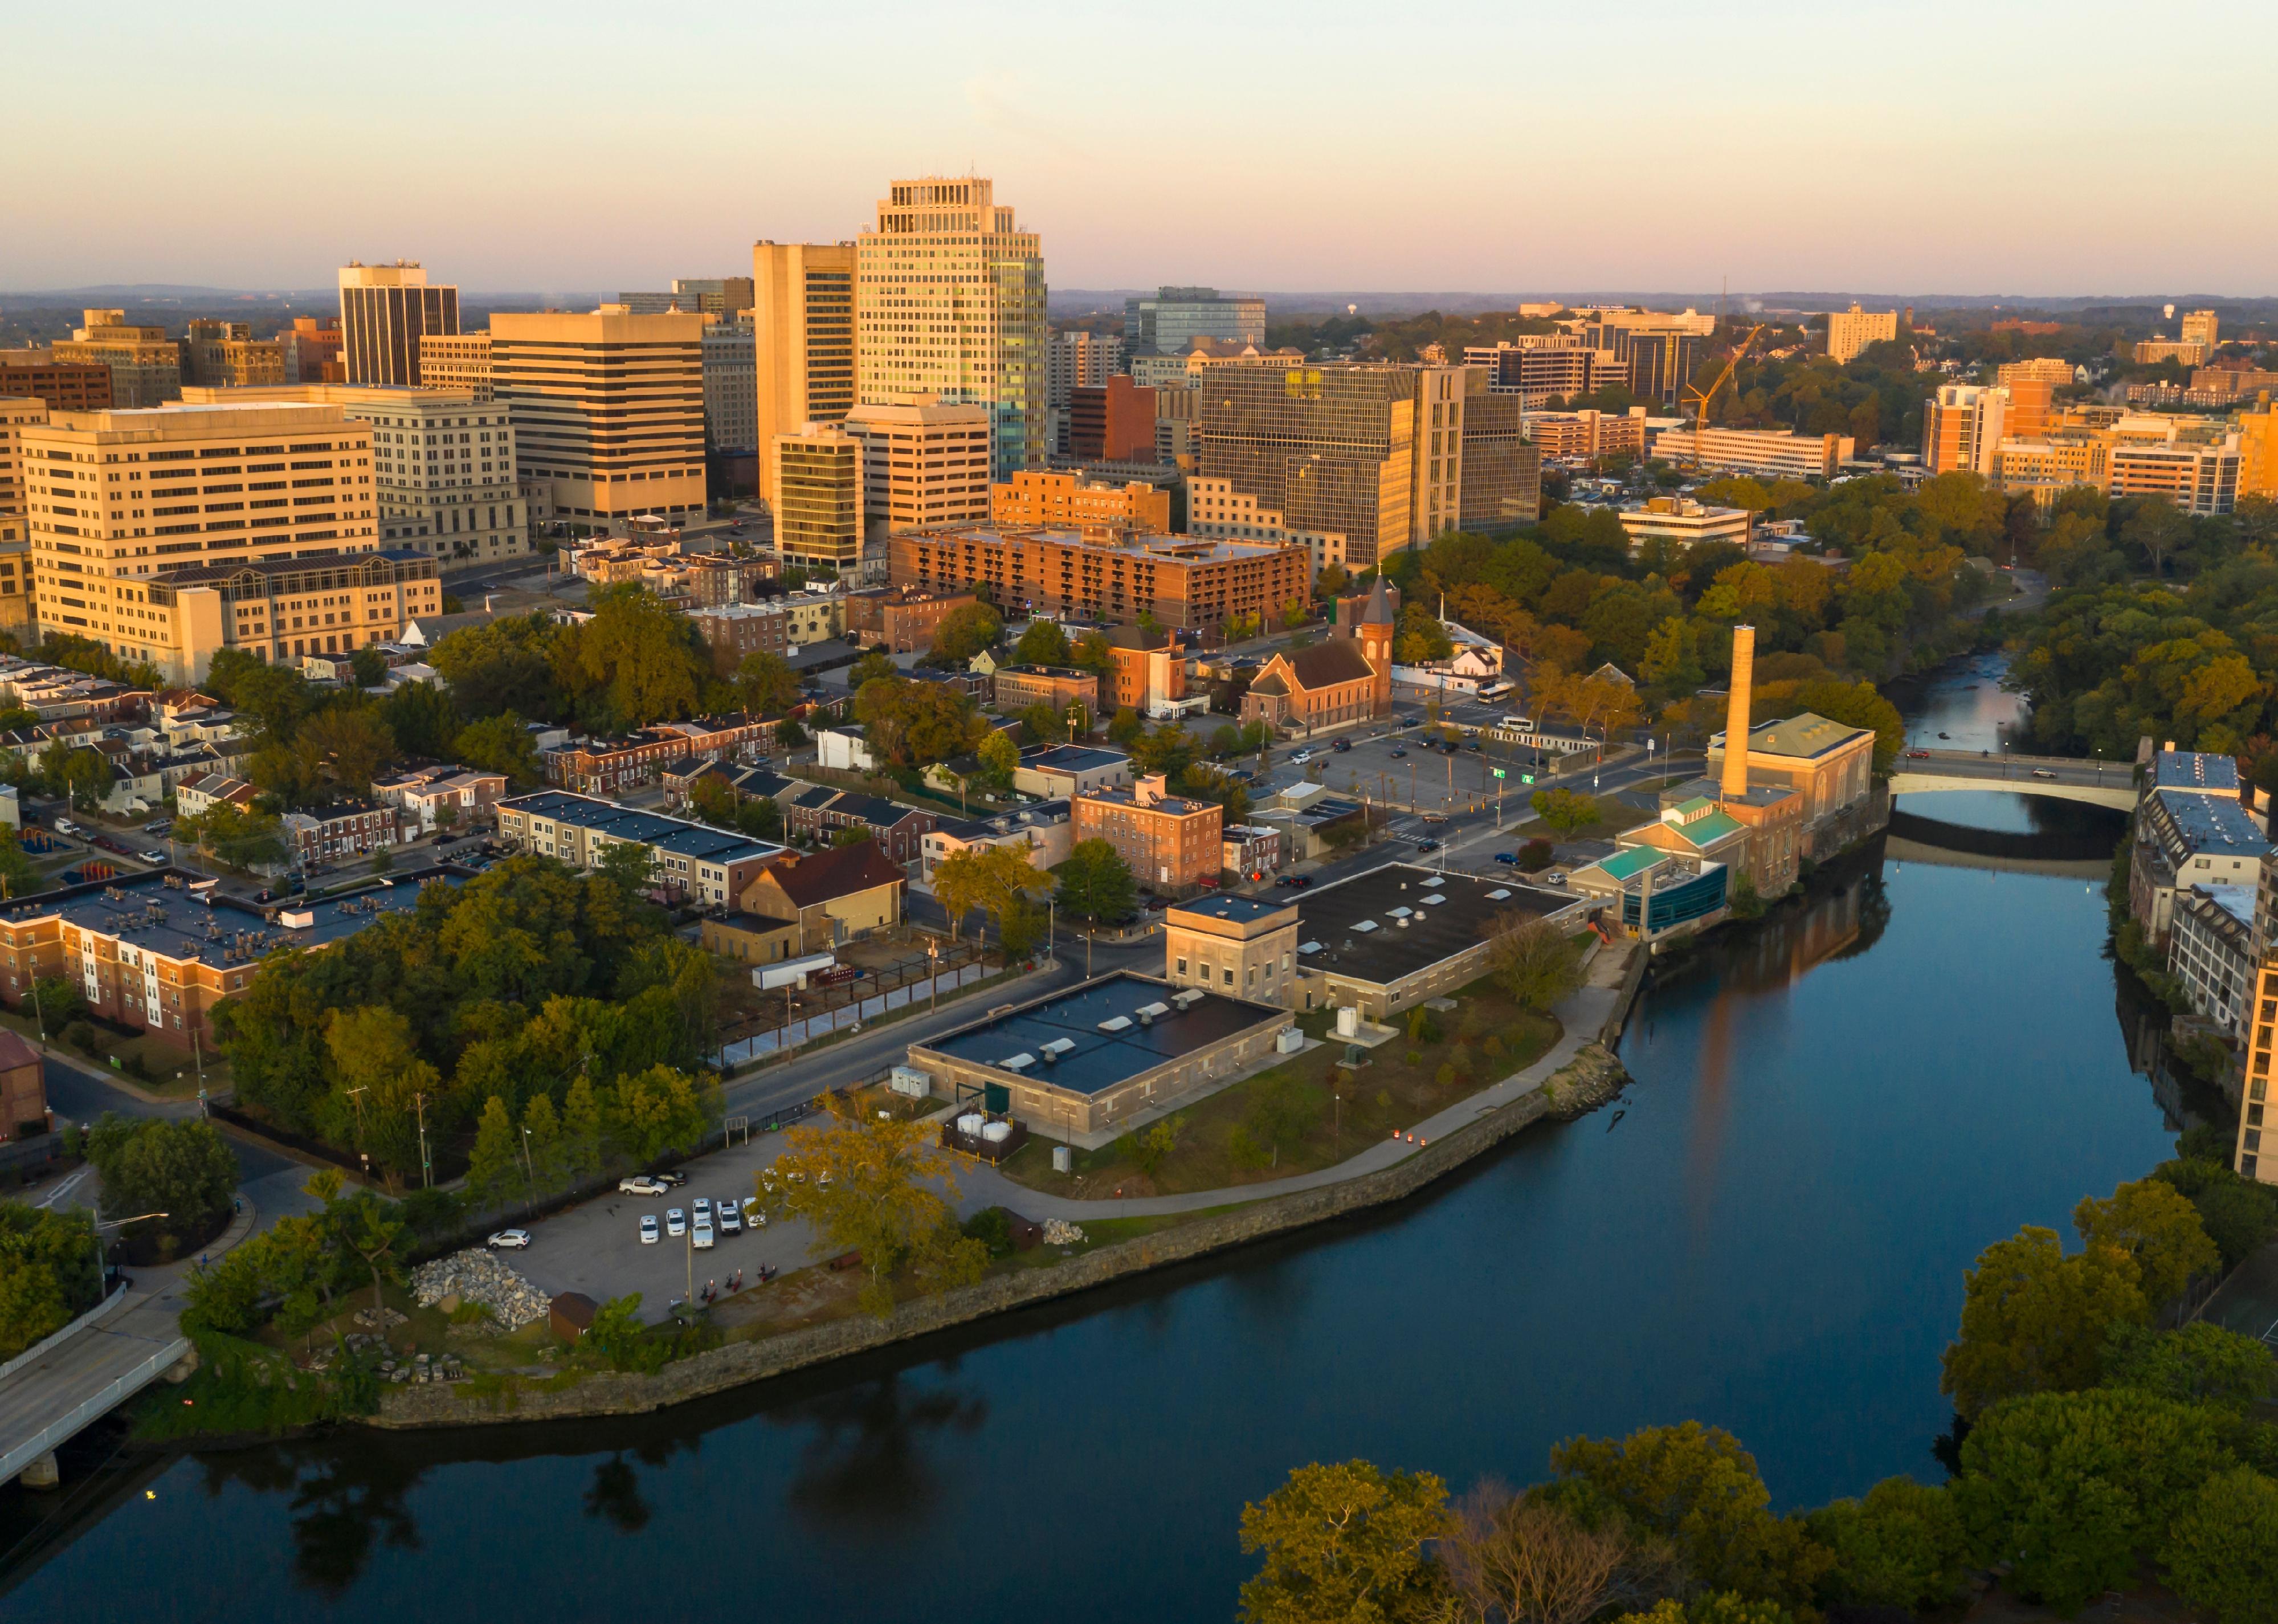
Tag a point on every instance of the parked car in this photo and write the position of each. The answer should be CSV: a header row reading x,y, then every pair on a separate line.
x,y
1918,755
152,857
754,1214
1507,857
1342,745
648,1228
702,1239
642,1184
1427,846
703,1209
1435,817
159,827
1298,758
675,1222
1557,876
514,1240
1295,882
671,1177
1398,751
731,1219
1471,744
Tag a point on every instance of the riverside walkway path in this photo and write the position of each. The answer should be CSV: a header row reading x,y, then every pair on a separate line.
x,y
1584,1015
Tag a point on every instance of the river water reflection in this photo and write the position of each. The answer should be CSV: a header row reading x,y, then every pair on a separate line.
x,y
1831,1118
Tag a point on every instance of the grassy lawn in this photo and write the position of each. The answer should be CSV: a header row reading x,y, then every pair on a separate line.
x,y
1298,1117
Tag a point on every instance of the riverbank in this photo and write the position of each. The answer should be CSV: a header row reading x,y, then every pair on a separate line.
x,y
1588,1080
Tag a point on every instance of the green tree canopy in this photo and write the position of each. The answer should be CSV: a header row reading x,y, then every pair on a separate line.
x,y
1096,884
2034,1320
1346,1544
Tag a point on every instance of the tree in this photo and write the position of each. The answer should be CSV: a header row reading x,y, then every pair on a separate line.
x,y
2074,1489
499,743
1696,1487
423,718
582,1132
2034,1320
349,744
1125,728
1567,812
58,1001
184,1169
2153,1223
766,683
1532,960
2223,1552
1282,1112
966,631
1000,758
865,1183
634,662
86,778
369,666
629,865
1093,652
494,1165
1095,883
1902,1546
234,835
1346,1544
543,1160
1522,1557
660,1110
48,1272
994,879
875,665
18,876
359,1222
2198,1363
1043,643
910,722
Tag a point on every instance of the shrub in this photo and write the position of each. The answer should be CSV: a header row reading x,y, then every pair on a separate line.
x,y
991,1228
1414,1057
1536,855
80,1035
1445,1076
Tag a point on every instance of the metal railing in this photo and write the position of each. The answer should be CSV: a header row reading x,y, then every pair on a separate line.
x,y
107,1398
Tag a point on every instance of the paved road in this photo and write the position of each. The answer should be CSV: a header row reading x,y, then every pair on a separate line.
x,y
2011,767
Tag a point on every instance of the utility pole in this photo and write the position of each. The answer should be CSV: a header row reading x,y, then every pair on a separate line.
x,y
529,1177
426,1167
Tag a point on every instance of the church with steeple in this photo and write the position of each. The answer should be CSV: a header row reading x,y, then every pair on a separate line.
x,y
1330,684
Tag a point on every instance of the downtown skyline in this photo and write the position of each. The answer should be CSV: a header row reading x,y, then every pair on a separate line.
x,y
1266,151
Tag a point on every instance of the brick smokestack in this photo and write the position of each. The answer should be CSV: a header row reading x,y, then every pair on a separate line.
x,y
1735,782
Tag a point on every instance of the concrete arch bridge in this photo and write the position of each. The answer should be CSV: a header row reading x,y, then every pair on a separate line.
x,y
2104,783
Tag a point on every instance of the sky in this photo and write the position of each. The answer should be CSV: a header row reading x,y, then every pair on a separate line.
x,y
1915,148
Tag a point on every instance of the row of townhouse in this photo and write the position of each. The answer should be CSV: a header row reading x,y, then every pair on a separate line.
x,y
818,813
610,766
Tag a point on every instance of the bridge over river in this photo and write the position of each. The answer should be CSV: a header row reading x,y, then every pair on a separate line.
x,y
2104,783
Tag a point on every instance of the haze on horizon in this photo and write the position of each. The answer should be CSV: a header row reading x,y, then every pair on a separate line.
x,y
1770,144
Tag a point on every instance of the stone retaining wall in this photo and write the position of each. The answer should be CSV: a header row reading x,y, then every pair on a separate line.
x,y
1594,1077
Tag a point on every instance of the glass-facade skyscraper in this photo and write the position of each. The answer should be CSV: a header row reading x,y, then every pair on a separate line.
x,y
1169,323
949,302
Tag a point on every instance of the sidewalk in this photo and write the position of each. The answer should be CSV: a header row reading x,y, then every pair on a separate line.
x,y
1583,1015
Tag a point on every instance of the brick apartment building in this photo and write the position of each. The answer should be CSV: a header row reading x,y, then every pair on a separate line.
x,y
819,813
352,828
1019,686
904,619
1107,574
1171,844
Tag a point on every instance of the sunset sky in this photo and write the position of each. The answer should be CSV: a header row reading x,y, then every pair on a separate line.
x,y
1921,147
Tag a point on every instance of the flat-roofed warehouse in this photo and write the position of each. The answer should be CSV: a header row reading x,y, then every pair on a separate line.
x,y
1394,936
1084,1062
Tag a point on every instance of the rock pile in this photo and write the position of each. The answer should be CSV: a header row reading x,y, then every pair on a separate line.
x,y
423,1368
1060,1232
378,1318
479,1276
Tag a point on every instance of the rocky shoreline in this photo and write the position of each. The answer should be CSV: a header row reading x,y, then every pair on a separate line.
x,y
1591,1078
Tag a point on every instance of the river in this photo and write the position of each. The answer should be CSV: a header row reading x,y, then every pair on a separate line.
x,y
1832,1116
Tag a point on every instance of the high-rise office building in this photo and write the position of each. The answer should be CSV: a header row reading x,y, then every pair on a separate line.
x,y
1501,473
949,301
817,498
1661,350
146,365
1851,330
1962,426
1370,451
2047,369
1169,322
223,354
731,384
925,464
311,351
725,296
608,411
198,486
802,341
384,311
78,386
1113,421
2199,327
442,465
18,412
458,361
1073,361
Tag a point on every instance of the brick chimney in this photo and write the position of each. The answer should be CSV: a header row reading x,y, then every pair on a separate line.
x,y
1735,782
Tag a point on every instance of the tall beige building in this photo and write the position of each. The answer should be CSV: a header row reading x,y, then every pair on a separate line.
x,y
924,464
458,361
817,498
146,365
2199,327
118,499
18,412
802,341
443,464
949,301
1962,426
1851,330
385,310
225,355
2051,369
607,409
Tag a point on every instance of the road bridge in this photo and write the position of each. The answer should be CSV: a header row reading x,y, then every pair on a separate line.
x,y
2062,778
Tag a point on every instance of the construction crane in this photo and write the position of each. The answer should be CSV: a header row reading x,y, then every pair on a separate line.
x,y
1702,398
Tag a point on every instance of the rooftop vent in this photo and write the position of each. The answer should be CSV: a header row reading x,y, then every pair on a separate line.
x,y
1432,900
1119,1023
1309,947
1190,998
1400,913
1057,1048
1366,926
1017,1061
1154,1009
1498,894
1435,880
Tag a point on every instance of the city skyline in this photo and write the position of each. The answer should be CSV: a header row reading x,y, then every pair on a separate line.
x,y
1837,151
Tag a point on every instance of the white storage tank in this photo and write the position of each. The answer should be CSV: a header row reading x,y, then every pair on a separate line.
x,y
1348,1021
997,1133
971,1124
